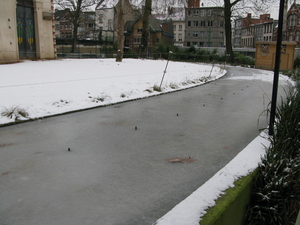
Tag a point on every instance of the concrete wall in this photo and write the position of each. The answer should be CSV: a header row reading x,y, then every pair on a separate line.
x,y
8,32
9,51
44,29
232,206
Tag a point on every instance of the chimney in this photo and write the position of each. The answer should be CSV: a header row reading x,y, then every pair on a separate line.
x,y
193,3
249,15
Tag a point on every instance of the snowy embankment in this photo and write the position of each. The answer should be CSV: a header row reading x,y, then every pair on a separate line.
x,y
45,88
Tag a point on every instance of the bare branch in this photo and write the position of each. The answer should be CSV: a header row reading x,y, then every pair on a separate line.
x,y
235,2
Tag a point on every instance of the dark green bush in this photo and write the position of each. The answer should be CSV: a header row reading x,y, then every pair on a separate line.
x,y
244,60
297,62
276,191
191,54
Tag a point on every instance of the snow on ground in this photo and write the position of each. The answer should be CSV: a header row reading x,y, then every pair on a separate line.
x,y
45,88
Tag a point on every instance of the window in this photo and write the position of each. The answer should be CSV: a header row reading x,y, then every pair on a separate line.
x,y
201,44
137,40
188,34
179,37
221,34
202,23
202,13
202,34
90,17
110,25
174,27
175,37
180,28
209,23
196,12
220,44
210,12
101,18
292,20
188,44
91,25
140,30
208,44
189,23
221,23
189,12
195,23
195,34
195,44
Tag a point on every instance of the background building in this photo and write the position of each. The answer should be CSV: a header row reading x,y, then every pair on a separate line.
x,y
161,31
105,23
293,24
205,27
26,30
248,30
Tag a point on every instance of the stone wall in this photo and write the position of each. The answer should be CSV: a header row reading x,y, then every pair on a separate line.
x,y
44,39
8,35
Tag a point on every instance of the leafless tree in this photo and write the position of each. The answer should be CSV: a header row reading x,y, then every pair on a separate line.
x,y
76,8
120,30
145,32
237,8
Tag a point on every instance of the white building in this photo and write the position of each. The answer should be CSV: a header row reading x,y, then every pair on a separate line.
x,y
105,23
178,18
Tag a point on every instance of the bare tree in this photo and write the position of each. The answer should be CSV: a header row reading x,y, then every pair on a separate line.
x,y
236,8
227,18
120,30
76,8
145,32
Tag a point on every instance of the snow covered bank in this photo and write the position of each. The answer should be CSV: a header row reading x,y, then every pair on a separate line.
x,y
44,88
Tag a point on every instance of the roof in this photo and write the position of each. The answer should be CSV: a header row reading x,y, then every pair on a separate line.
x,y
62,14
174,13
155,24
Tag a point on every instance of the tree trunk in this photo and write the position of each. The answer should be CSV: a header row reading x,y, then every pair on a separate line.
x,y
228,34
76,25
75,37
145,33
120,31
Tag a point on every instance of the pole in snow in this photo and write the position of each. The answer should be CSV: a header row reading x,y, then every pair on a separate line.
x,y
277,68
162,79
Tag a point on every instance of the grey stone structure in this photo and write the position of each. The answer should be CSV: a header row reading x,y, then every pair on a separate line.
x,y
205,27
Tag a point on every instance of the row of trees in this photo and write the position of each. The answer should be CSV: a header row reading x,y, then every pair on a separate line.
x,y
232,8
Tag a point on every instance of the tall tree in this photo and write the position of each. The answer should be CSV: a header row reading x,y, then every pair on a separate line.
x,y
76,8
235,8
120,30
145,32
228,33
